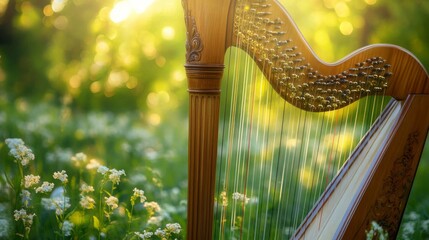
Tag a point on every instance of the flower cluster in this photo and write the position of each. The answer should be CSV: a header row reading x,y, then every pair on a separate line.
x,y
240,197
25,198
152,207
138,194
58,203
112,202
31,180
115,175
112,174
79,160
144,235
27,219
103,210
166,233
414,226
67,228
62,176
173,228
376,232
86,201
45,187
19,151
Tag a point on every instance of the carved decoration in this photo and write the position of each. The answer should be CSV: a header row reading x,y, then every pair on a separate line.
x,y
194,45
388,208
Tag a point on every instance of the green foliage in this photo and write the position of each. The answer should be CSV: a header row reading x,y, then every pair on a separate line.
x,y
90,204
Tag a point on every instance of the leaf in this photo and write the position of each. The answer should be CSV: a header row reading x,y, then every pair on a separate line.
x,y
128,213
96,223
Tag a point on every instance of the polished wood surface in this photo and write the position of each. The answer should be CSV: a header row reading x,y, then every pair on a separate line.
x,y
265,31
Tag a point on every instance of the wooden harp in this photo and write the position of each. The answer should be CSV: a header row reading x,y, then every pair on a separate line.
x,y
374,183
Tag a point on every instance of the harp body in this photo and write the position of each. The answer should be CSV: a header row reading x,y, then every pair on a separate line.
x,y
375,182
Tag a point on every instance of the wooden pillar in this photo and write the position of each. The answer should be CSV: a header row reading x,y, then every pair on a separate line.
x,y
204,99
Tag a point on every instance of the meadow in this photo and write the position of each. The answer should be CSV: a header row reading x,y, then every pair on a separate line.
x,y
93,110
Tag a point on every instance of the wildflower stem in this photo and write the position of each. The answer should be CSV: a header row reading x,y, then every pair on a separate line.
x,y
130,218
101,209
21,171
8,181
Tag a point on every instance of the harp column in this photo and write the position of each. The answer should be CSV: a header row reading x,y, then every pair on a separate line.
x,y
204,100
206,25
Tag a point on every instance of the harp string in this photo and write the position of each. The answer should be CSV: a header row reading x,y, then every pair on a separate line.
x,y
274,159
268,147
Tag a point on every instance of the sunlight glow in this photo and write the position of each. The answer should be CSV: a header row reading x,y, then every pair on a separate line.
x,y
95,87
342,9
291,142
346,28
3,6
58,5
47,10
154,119
371,2
123,9
168,33
179,75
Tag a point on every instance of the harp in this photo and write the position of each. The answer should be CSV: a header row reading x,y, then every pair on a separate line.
x,y
375,181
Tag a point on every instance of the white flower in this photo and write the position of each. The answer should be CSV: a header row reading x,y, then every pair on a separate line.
x,y
62,176
413,216
4,228
31,180
19,214
67,228
160,233
93,164
14,142
115,175
144,235
425,225
85,188
25,197
154,220
102,169
58,203
152,206
138,194
87,202
27,219
173,228
79,160
240,197
112,202
45,187
19,151
409,228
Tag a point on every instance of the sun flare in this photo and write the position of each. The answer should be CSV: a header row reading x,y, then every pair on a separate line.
x,y
123,9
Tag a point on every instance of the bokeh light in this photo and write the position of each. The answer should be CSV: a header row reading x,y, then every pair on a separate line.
x,y
371,2
123,9
58,5
346,28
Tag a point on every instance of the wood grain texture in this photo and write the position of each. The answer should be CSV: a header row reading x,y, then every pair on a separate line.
x,y
265,31
384,194
204,100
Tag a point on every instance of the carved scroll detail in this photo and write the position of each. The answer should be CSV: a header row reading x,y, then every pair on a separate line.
x,y
194,45
387,210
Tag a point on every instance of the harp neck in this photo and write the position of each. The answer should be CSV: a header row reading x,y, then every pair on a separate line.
x,y
206,25
266,32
